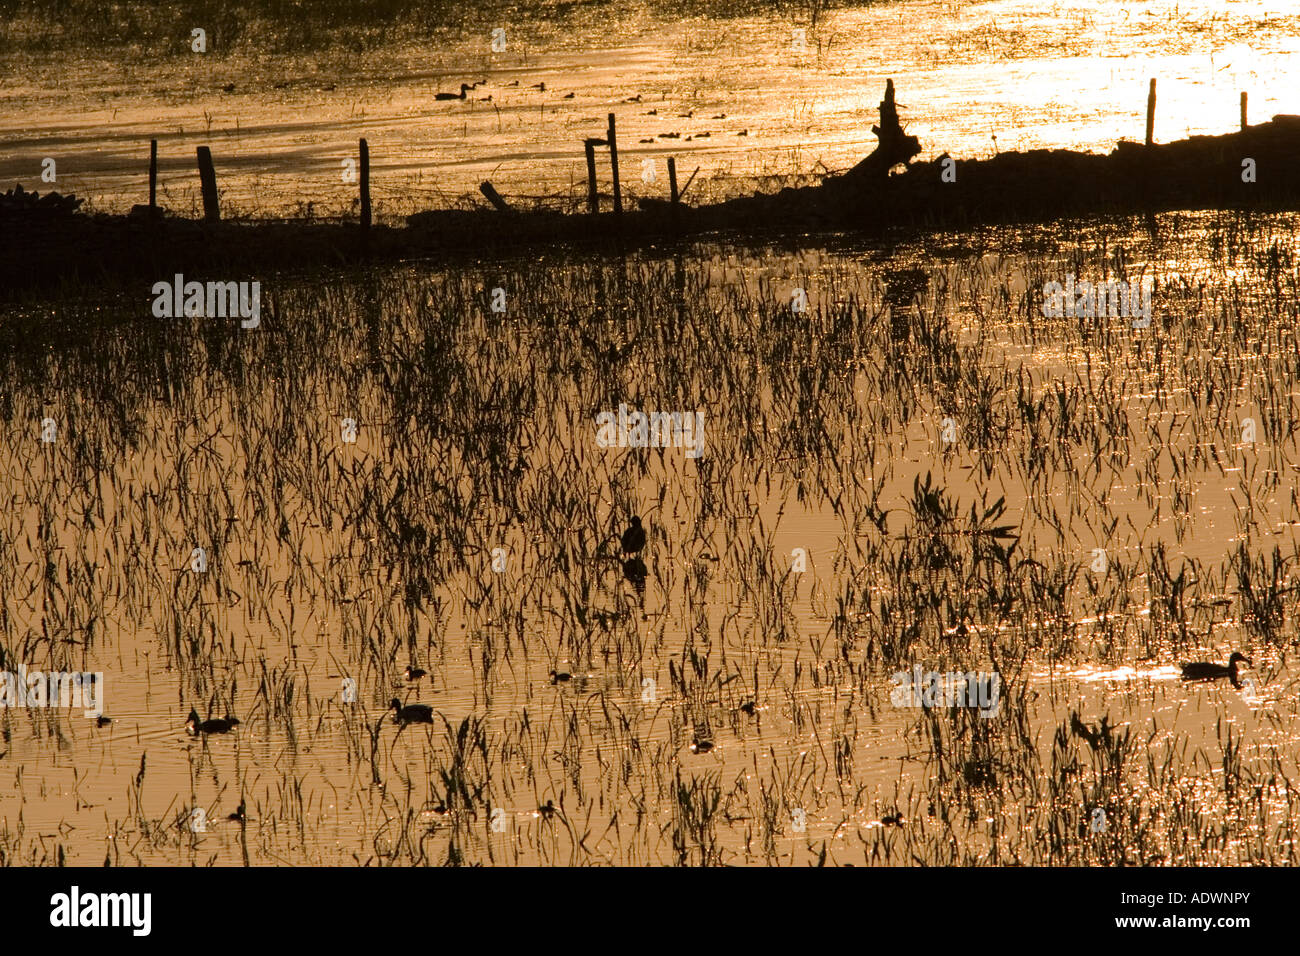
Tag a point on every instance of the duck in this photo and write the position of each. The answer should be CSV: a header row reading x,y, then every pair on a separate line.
x,y
413,673
558,677
547,809
701,746
633,99
1096,737
464,88
633,539
102,721
567,96
411,713
214,726
239,815
748,707
1205,670
540,87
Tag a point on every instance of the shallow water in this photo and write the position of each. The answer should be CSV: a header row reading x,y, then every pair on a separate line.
x,y
972,78
330,560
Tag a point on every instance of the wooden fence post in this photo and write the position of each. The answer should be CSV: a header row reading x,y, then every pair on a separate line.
x,y
208,182
593,199
613,162
1151,112
365,186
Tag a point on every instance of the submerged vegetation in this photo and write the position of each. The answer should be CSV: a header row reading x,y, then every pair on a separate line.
x,y
917,470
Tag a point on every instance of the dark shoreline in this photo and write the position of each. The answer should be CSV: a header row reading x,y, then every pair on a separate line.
x,y
1203,172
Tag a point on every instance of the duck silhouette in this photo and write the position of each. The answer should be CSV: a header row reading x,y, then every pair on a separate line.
x,y
1096,737
413,673
1206,670
214,726
464,88
633,539
558,677
411,713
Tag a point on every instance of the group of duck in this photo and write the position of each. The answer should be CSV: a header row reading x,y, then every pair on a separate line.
x,y
632,542
467,88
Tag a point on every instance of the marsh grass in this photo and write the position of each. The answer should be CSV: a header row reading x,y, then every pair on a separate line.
x,y
476,433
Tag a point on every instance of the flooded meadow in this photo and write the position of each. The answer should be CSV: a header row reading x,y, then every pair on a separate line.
x,y
755,95
823,549
887,461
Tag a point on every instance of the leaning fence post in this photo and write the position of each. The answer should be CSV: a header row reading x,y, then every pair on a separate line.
x,y
208,182
494,197
153,175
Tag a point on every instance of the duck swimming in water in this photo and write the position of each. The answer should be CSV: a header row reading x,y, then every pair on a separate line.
x,y
413,673
411,713
1205,670
464,88
215,726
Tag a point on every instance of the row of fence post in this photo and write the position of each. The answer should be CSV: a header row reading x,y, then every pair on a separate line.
x,y
212,209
